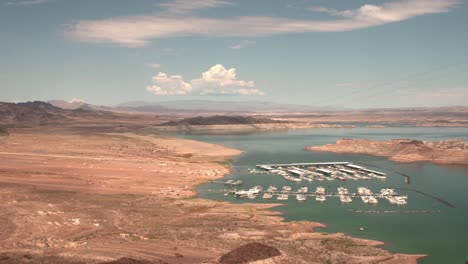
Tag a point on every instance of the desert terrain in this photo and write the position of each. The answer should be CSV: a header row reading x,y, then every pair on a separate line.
x,y
403,150
97,195
375,118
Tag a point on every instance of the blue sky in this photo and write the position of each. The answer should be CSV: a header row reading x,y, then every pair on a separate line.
x,y
349,53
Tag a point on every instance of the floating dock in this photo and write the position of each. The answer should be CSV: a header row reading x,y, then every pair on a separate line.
x,y
265,167
320,194
310,171
296,172
352,166
304,164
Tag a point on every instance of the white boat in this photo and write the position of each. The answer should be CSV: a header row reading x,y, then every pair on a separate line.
x,y
267,196
400,200
272,189
345,199
343,191
320,190
365,199
373,200
233,182
241,193
287,188
320,198
300,197
282,197
388,191
256,189
364,191
251,195
303,190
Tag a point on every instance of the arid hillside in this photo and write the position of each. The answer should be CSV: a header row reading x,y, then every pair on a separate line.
x,y
41,113
77,196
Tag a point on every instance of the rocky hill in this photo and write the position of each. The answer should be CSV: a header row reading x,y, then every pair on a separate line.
x,y
403,150
30,112
73,104
42,113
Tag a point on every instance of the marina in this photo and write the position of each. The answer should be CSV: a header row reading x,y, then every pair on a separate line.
x,y
321,194
436,194
329,171
297,172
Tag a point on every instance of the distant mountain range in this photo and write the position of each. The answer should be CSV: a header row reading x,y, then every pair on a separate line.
x,y
221,106
235,107
42,113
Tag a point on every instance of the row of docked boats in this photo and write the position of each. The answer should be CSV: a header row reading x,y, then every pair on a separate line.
x,y
366,195
393,197
320,172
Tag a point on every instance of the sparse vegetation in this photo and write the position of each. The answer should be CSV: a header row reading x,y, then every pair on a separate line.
x,y
3,132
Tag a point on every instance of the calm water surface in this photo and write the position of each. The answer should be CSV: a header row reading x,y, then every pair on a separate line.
x,y
442,233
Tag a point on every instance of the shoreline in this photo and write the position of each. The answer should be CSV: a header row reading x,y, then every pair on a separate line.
x,y
270,207
122,193
444,152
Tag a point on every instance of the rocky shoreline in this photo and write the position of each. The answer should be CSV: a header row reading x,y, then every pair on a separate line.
x,y
403,150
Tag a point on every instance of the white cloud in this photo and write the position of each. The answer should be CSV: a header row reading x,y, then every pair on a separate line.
x,y
164,84
186,6
392,11
27,2
219,80
76,101
154,65
216,80
456,93
137,31
242,44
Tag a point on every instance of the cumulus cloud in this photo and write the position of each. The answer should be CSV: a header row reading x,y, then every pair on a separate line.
x,y
164,84
138,31
76,101
219,80
216,80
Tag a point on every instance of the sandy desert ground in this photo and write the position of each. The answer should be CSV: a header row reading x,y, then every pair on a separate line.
x,y
81,196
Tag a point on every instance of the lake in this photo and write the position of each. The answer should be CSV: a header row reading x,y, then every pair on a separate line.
x,y
423,226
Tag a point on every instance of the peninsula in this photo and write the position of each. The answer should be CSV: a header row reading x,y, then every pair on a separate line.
x,y
403,150
220,124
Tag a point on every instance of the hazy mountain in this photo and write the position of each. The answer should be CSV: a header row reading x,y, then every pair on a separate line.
x,y
44,113
80,105
66,104
221,106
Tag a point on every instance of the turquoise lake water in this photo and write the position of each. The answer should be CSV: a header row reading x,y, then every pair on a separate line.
x,y
441,231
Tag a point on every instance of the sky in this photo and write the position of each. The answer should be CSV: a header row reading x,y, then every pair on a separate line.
x,y
346,53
